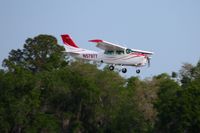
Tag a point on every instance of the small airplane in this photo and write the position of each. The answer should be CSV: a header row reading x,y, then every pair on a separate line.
x,y
112,54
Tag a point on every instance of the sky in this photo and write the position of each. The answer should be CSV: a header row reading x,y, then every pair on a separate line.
x,y
169,28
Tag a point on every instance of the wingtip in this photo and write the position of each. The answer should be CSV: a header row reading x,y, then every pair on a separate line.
x,y
96,40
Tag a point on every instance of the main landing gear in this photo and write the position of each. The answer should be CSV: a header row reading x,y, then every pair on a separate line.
x,y
138,71
111,68
124,70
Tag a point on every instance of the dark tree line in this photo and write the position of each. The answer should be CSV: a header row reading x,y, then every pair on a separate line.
x,y
41,92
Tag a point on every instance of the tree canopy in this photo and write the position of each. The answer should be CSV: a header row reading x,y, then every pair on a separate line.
x,y
41,92
38,54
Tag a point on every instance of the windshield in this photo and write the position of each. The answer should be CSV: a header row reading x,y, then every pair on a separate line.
x,y
128,51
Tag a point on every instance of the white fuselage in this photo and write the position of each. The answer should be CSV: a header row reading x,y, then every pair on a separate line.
x,y
111,57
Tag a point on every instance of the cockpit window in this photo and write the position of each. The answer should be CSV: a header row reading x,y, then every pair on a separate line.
x,y
128,51
119,52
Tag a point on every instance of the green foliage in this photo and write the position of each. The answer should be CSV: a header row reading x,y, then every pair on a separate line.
x,y
174,75
189,73
41,92
166,96
38,54
179,106
19,99
43,122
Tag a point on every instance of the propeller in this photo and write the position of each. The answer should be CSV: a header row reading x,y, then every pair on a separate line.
x,y
149,61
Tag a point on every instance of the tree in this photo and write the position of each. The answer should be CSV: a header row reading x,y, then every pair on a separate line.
x,y
22,94
166,96
178,106
189,73
38,54
41,92
19,100
142,94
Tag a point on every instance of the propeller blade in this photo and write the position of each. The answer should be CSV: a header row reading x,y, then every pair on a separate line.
x,y
149,61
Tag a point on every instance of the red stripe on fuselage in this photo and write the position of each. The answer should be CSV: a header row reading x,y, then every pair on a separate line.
x,y
131,55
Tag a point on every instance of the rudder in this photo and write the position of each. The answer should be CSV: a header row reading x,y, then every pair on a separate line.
x,y
67,40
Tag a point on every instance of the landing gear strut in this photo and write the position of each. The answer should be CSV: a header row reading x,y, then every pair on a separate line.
x,y
138,71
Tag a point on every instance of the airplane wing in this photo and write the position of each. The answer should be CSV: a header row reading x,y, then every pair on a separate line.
x,y
107,45
110,46
142,51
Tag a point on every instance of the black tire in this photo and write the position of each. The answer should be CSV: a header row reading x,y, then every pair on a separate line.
x,y
124,70
138,71
111,68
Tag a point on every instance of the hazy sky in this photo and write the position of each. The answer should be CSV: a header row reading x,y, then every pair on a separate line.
x,y
170,28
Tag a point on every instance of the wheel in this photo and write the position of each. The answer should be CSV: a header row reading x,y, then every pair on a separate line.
x,y
138,71
124,70
111,68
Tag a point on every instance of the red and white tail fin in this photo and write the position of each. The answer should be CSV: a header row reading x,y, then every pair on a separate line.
x,y
67,40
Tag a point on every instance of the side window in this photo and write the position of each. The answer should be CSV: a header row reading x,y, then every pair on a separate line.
x,y
109,52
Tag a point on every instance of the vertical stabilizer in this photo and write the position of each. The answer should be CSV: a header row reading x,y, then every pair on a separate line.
x,y
67,40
